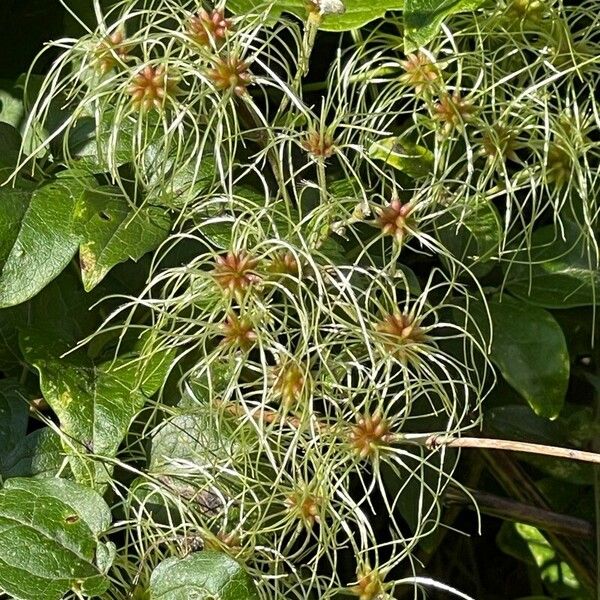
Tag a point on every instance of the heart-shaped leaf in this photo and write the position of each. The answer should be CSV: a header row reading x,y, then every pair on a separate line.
x,y
206,574
93,405
404,155
558,272
113,231
38,236
472,234
530,350
49,531
423,18
356,14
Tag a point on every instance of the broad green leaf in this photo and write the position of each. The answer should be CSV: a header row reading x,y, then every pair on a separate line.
x,y
530,350
90,143
11,106
10,354
556,273
404,155
39,454
521,423
14,415
206,574
194,436
423,18
175,180
37,133
191,436
21,455
145,367
41,235
14,206
218,232
573,427
10,145
113,232
210,384
357,13
93,405
473,235
61,308
49,532
527,543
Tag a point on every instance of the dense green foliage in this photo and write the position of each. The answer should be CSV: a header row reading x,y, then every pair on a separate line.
x,y
261,264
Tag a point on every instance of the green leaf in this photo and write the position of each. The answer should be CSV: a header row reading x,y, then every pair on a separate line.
x,y
472,234
90,142
48,539
556,273
206,574
404,155
573,427
521,423
145,367
191,436
10,145
14,206
93,405
10,355
11,106
357,13
14,415
423,18
530,350
61,310
21,455
527,543
38,237
38,454
175,180
113,232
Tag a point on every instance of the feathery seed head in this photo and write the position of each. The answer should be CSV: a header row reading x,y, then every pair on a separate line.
x,y
421,73
238,333
288,382
235,272
318,145
110,51
452,112
284,263
152,88
369,585
399,332
230,73
304,506
499,142
395,219
369,433
206,26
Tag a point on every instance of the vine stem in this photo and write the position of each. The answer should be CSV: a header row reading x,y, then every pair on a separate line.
x,y
435,441
596,447
519,512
